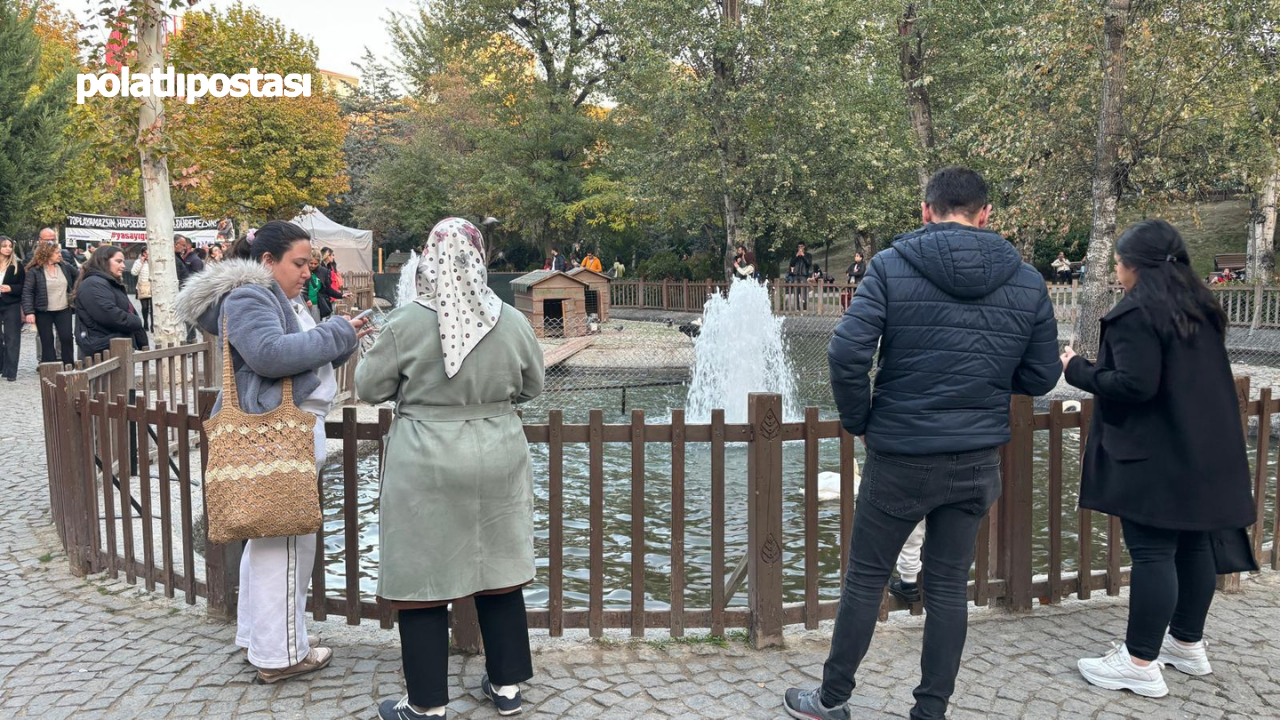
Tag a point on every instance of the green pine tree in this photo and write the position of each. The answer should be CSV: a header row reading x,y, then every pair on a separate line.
x,y
32,120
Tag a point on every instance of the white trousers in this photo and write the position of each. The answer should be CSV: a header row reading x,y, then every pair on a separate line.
x,y
909,558
275,575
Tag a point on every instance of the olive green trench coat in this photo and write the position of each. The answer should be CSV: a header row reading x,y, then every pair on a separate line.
x,y
456,502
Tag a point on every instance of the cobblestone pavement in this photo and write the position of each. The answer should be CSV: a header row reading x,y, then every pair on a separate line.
x,y
93,648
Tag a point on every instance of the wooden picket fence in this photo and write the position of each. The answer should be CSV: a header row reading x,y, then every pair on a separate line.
x,y
113,517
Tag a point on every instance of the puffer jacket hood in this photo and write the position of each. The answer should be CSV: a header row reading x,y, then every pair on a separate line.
x,y
961,260
200,302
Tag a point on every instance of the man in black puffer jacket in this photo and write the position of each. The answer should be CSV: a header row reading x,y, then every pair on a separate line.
x,y
960,324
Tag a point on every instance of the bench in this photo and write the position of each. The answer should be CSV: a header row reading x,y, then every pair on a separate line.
x,y
1230,261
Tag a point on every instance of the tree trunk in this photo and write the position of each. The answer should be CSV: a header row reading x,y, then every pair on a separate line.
x,y
1262,230
734,234
911,65
1096,296
155,181
725,81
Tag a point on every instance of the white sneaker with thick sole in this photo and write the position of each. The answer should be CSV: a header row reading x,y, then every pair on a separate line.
x,y
1117,671
1190,659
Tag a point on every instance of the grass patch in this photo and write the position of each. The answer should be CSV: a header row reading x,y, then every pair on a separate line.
x,y
45,558
686,641
174,611
1213,228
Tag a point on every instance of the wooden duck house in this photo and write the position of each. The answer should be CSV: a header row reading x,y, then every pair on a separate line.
x,y
554,303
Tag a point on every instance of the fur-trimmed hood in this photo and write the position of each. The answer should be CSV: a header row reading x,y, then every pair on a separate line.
x,y
200,301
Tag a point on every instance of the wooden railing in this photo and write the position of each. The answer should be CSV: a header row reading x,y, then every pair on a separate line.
x,y
831,299
91,438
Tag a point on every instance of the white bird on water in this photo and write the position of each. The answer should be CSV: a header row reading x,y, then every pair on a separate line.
x,y
829,484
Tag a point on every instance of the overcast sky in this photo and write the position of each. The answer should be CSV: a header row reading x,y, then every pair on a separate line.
x,y
341,29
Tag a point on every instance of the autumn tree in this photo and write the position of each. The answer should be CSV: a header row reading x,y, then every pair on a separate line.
x,y
258,158
530,70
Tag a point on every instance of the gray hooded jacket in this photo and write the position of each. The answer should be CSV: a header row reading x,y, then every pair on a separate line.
x,y
267,343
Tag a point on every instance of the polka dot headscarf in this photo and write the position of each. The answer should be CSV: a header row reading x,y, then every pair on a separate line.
x,y
453,280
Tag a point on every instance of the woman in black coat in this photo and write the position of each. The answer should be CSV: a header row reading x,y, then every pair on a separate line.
x,y
103,310
12,278
46,302
1166,454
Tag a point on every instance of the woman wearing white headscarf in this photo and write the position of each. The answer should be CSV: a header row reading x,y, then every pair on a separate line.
x,y
456,509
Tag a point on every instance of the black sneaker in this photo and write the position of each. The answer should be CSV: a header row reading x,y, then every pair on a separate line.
x,y
506,705
905,591
402,710
807,705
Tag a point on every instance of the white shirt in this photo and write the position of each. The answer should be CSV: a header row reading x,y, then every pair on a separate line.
x,y
321,401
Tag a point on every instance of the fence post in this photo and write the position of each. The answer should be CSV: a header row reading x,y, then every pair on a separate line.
x,y
1015,527
221,562
82,485
466,626
764,519
61,501
123,383
1231,583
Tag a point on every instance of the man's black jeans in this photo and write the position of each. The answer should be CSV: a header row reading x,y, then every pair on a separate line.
x,y
952,493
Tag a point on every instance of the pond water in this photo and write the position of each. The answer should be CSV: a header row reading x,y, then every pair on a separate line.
x,y
813,391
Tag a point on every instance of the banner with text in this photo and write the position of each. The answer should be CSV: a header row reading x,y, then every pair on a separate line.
x,y
115,230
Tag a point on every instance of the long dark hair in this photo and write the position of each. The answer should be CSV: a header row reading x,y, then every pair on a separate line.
x,y
275,238
1167,289
99,263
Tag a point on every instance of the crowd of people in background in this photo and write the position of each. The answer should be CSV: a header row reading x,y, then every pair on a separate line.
x,y
78,298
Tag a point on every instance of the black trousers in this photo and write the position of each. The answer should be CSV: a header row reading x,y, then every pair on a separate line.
x,y
424,641
146,313
951,493
1171,586
46,323
10,340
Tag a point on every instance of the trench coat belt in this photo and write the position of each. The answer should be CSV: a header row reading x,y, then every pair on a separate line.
x,y
455,413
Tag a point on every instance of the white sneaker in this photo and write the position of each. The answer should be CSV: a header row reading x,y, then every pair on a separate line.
x,y
1190,659
1117,671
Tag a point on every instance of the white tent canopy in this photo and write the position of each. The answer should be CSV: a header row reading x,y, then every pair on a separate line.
x,y
352,247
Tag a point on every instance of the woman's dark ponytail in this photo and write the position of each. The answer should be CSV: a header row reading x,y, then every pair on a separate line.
x,y
1168,289
274,239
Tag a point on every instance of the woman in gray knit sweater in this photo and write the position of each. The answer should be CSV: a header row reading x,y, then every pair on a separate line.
x,y
272,337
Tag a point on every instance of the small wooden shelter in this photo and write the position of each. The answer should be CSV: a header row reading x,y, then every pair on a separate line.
x,y
597,292
554,303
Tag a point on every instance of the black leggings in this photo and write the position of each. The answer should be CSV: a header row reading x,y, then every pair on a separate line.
x,y
10,340
146,313
46,323
424,641
1172,586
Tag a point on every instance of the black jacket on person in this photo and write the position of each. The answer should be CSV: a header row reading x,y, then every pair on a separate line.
x,y
1166,446
856,271
327,293
35,290
15,277
801,267
188,266
960,323
103,312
